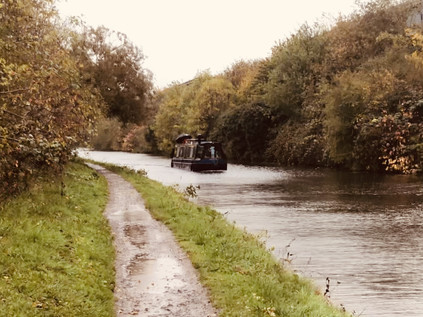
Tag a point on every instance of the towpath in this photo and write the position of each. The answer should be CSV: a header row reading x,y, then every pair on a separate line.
x,y
154,277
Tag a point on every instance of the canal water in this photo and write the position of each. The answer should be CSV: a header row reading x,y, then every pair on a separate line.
x,y
363,232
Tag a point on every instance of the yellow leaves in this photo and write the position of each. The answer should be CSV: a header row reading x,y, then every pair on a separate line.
x,y
398,164
416,58
191,107
416,38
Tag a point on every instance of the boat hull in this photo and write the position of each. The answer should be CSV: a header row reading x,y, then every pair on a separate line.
x,y
200,165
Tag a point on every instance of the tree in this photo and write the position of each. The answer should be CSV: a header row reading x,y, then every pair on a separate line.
x,y
244,131
242,75
170,118
212,99
348,96
45,109
114,65
294,71
354,39
372,113
191,107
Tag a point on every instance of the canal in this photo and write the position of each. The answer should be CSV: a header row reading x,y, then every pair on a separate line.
x,y
361,231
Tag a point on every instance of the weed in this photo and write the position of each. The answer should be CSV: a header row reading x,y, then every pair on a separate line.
x,y
327,291
191,191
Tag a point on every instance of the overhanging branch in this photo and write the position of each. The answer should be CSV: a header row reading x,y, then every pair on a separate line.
x,y
13,114
9,92
9,139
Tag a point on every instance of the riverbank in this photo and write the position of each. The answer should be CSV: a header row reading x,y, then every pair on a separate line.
x,y
57,257
244,279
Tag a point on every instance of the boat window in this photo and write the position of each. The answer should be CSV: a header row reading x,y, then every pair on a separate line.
x,y
187,152
200,150
212,152
191,153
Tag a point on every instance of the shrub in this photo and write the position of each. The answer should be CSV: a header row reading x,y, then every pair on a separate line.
x,y
244,132
299,143
109,135
135,140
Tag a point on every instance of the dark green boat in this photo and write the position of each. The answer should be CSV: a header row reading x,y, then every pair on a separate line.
x,y
198,154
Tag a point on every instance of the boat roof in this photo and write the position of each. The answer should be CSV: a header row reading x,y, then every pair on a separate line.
x,y
187,138
182,137
195,141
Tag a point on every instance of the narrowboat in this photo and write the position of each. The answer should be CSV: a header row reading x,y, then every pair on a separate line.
x,y
198,154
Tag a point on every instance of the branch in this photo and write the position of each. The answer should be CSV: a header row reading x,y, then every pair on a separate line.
x,y
13,114
9,139
13,91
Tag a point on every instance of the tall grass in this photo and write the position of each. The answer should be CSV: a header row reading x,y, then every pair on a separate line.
x,y
56,255
243,277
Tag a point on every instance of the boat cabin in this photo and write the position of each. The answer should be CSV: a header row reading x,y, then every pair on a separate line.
x,y
198,154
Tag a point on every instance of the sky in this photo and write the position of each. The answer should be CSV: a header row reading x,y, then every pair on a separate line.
x,y
181,38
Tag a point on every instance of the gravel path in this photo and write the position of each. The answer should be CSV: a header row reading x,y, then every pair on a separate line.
x,y
154,277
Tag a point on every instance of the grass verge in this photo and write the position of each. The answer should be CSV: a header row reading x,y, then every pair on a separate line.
x,y
243,277
56,255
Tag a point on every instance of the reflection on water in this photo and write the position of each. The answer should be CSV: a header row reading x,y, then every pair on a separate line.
x,y
363,231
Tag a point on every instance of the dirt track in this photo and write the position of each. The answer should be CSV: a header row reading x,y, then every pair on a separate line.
x,y
154,277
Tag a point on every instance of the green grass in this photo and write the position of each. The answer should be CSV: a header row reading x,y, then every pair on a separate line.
x,y
243,277
56,255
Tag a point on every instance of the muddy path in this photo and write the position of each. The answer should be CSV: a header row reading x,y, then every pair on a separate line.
x,y
154,277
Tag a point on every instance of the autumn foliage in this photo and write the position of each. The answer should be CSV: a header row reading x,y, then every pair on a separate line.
x,y
57,78
349,95
45,110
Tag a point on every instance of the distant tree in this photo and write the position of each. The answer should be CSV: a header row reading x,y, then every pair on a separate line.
x,y
242,74
373,85
212,99
245,132
348,96
344,101
114,66
371,114
191,107
294,71
170,118
108,136
354,39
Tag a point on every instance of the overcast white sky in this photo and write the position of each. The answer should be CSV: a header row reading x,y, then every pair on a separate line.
x,y
183,37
